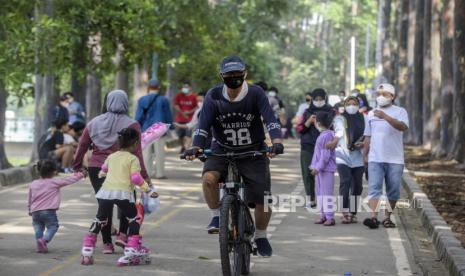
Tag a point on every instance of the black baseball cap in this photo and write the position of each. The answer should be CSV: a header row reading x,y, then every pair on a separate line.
x,y
231,64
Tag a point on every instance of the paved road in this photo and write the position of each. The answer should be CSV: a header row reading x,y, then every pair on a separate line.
x,y
181,246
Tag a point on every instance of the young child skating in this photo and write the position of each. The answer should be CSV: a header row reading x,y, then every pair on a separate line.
x,y
122,171
323,167
44,201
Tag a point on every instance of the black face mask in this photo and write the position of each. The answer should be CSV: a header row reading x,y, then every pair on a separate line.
x,y
234,82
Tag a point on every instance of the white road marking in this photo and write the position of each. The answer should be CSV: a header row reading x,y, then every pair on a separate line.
x,y
398,250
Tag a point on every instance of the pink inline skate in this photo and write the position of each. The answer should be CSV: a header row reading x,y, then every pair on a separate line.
x,y
88,247
134,252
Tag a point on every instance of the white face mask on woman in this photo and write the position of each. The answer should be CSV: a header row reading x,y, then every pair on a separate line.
x,y
383,101
352,109
319,103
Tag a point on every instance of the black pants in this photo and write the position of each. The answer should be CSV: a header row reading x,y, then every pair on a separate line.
x,y
307,177
106,230
350,186
128,210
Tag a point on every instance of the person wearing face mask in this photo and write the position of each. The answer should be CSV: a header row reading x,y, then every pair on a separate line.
x,y
154,108
322,167
233,113
384,153
309,133
349,127
185,104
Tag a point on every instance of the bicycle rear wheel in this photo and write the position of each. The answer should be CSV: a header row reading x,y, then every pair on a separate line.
x,y
231,250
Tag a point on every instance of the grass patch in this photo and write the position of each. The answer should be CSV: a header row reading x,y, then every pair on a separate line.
x,y
19,161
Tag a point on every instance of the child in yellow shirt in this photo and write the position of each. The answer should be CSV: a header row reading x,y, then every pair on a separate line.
x,y
122,172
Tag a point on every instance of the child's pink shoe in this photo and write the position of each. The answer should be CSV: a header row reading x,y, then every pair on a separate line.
x,y
42,246
108,248
88,246
329,222
121,240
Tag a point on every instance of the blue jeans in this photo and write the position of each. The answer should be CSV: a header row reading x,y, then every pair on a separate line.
x,y
45,219
377,173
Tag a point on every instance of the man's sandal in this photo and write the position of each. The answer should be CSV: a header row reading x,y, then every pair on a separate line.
x,y
387,223
372,223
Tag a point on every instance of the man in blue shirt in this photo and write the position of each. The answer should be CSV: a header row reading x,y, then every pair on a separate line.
x,y
233,112
154,108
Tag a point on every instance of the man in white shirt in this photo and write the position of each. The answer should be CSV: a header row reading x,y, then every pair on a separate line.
x,y
384,152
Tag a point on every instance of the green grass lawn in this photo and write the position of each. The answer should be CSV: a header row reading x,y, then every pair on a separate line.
x,y
19,161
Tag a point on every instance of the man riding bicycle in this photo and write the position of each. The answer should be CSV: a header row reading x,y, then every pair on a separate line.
x,y
234,112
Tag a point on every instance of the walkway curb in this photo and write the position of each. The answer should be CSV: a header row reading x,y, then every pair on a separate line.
x,y
17,175
449,249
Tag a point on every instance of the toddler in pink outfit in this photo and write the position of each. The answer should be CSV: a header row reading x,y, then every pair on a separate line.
x,y
44,201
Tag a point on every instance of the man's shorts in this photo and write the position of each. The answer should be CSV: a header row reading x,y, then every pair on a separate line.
x,y
254,171
378,173
183,132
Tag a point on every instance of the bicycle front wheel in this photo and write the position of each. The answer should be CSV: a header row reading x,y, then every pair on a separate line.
x,y
231,250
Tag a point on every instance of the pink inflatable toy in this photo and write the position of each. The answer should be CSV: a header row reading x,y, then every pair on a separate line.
x,y
153,133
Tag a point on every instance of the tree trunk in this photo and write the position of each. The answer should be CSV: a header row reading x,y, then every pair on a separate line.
x,y
78,87
380,32
4,163
50,98
93,96
417,95
342,73
49,91
458,149
122,76
78,77
140,81
435,121
402,38
447,77
411,65
395,28
427,77
367,55
325,42
38,86
387,58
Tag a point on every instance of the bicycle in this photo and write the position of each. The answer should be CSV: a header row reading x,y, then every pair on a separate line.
x,y
237,227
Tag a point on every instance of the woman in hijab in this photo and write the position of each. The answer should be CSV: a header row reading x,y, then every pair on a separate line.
x,y
309,133
349,128
101,135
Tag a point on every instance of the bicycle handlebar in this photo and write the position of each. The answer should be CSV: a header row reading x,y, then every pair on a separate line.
x,y
208,152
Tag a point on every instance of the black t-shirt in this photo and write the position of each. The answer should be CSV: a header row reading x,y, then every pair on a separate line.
x,y
57,138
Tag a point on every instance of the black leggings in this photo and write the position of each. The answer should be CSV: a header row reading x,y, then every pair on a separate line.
x,y
105,209
106,230
351,186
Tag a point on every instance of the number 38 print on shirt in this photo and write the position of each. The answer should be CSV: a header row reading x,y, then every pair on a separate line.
x,y
238,123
